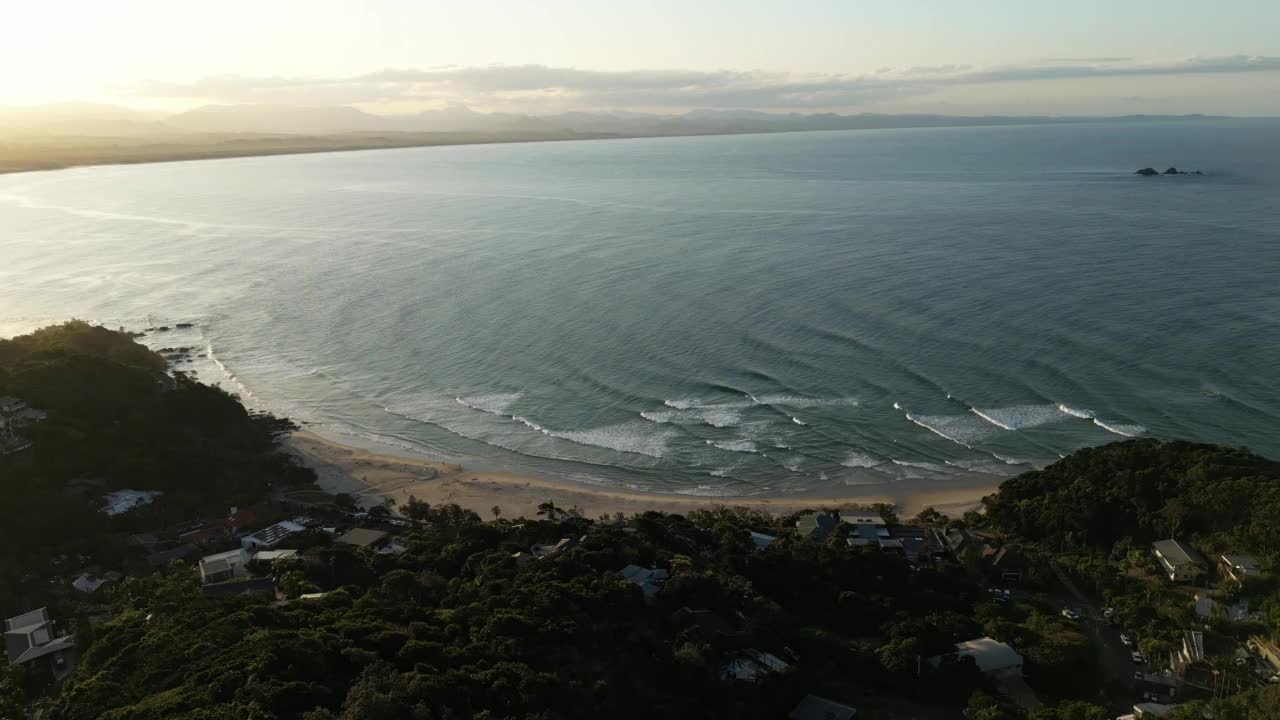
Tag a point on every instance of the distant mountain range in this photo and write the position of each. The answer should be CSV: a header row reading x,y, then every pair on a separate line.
x,y
100,121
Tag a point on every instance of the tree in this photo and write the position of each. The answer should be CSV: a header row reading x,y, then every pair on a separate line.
x,y
497,511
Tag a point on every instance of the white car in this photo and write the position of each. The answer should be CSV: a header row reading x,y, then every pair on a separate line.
x,y
1137,657
1070,614
1128,641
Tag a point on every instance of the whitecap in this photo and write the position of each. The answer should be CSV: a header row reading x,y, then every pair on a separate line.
x,y
737,445
633,437
800,402
1127,430
496,404
859,460
1021,417
1076,412
797,420
960,429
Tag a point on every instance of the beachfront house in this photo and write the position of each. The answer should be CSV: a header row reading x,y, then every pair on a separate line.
x,y
1181,562
816,525
813,707
1239,567
34,635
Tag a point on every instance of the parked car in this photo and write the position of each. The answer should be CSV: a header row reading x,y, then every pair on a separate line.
x,y
1070,614
1139,675
1128,641
1108,613
1137,657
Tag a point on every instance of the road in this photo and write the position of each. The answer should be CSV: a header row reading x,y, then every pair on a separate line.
x,y
1113,657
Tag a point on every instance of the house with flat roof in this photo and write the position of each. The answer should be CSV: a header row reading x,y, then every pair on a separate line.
x,y
224,566
362,537
1179,561
813,707
1239,567
33,635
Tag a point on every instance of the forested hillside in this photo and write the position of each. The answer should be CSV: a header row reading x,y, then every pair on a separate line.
x,y
1145,490
116,420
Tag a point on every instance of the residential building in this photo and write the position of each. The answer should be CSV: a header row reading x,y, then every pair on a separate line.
x,y
241,586
164,558
33,635
270,556
1010,563
761,540
918,544
649,581
1179,561
708,623
751,665
865,529
813,707
1152,711
122,501
1267,649
269,537
541,551
817,525
224,566
991,656
1239,567
363,537
89,583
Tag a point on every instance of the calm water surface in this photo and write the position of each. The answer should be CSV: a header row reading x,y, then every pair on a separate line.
x,y
723,315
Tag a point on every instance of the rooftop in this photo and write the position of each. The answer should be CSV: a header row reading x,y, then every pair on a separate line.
x,y
1177,553
362,537
991,655
273,535
813,707
29,636
122,501
1245,564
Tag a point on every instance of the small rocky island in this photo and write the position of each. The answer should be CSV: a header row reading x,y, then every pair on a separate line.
x,y
1171,171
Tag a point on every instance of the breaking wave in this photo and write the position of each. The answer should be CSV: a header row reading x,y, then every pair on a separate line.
x,y
1124,429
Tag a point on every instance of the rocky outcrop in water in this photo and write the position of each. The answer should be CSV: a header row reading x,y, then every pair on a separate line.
x,y
1171,171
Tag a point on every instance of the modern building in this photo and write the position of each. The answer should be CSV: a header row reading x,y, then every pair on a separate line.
x,y
1179,561
89,583
224,566
866,529
33,635
1239,567
813,707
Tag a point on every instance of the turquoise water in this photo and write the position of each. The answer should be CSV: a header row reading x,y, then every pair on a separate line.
x,y
719,315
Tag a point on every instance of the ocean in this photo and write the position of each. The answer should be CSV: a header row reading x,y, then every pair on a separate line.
x,y
721,316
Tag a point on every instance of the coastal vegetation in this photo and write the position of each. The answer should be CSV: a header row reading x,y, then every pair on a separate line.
x,y
116,420
535,617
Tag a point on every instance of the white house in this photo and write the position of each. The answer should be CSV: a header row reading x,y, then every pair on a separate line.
x,y
224,566
31,636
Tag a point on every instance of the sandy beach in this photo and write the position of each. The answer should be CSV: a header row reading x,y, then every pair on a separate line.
x,y
372,477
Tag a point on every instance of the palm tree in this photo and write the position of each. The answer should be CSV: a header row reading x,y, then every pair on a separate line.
x,y
497,511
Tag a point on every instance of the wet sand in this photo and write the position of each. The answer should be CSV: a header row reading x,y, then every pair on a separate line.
x,y
372,477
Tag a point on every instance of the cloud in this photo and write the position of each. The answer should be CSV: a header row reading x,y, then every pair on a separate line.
x,y
533,87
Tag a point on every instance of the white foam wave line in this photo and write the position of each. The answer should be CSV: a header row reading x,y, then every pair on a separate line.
x,y
495,404
935,431
1076,412
208,353
991,420
743,446
797,420
1120,428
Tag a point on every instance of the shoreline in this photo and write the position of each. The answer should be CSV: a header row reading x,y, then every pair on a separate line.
x,y
371,477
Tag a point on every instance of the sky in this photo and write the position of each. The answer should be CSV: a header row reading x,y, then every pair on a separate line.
x,y
1081,57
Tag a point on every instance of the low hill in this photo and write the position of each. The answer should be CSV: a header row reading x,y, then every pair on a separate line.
x,y
1145,490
